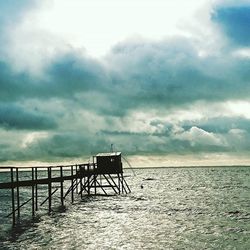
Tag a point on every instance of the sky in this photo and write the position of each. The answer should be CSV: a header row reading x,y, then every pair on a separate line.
x,y
166,82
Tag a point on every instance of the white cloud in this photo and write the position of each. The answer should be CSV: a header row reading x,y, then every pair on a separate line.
x,y
32,138
96,26
199,136
151,97
239,108
242,53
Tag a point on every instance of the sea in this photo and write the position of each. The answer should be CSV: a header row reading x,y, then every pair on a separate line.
x,y
168,208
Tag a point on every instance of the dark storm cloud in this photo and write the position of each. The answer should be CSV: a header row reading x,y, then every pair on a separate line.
x,y
65,76
134,77
14,117
154,75
14,86
137,77
64,145
161,143
171,73
70,74
235,23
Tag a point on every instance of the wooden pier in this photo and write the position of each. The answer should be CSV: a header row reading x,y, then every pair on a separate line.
x,y
103,176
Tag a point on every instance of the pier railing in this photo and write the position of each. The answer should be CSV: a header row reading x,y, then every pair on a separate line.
x,y
83,179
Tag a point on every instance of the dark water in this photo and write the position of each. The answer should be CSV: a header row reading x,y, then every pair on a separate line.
x,y
182,208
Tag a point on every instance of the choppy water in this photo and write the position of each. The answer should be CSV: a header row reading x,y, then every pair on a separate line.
x,y
182,208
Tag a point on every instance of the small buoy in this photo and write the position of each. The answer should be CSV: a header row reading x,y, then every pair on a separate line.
x,y
141,186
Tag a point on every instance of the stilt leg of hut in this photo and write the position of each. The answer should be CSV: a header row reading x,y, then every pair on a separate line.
x,y
119,183
95,183
122,183
126,184
17,194
110,184
88,182
49,188
81,190
98,183
115,185
100,179
61,174
13,197
76,179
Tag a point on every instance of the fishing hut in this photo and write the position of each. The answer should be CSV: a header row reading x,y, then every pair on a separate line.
x,y
102,176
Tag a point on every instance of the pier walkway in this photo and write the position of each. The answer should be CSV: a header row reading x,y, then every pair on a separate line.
x,y
103,176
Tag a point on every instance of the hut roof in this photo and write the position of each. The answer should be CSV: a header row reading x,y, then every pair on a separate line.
x,y
109,154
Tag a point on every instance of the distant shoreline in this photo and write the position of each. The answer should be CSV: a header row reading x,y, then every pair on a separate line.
x,y
208,166
55,168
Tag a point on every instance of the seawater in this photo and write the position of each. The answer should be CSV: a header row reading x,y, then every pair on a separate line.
x,y
177,208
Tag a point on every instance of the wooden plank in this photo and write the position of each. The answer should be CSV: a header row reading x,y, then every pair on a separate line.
x,y
28,183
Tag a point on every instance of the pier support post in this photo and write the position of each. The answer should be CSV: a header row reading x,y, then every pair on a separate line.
x,y
17,194
49,188
62,199
119,183
95,176
33,191
123,189
13,197
81,182
72,183
36,191
88,181
76,179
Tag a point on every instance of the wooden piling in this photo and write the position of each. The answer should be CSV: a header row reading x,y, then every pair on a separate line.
x,y
81,183
17,194
76,179
49,188
33,191
61,174
13,197
95,176
119,183
126,184
88,181
72,183
36,191
122,183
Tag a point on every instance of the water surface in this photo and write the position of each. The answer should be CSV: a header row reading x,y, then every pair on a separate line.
x,y
177,208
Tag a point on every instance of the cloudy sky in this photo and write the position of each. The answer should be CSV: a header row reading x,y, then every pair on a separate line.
x,y
167,82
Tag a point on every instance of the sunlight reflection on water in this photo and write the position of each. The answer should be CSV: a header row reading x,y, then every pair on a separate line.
x,y
203,208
